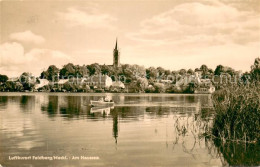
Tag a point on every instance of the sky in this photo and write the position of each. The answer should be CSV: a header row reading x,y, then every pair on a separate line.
x,y
172,34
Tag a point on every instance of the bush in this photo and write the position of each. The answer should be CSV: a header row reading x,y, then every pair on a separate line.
x,y
159,88
237,113
3,78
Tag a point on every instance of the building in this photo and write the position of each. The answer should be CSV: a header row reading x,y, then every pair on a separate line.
x,y
116,57
62,81
165,81
118,84
42,82
98,81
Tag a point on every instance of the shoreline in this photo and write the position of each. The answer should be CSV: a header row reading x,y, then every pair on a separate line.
x,y
97,94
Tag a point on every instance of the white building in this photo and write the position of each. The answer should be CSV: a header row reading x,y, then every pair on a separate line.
x,y
118,84
99,81
42,83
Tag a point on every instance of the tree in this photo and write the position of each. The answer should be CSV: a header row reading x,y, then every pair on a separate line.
x,y
142,83
151,72
256,63
167,72
150,89
27,80
161,71
204,68
51,74
132,72
182,72
13,86
255,70
94,69
190,71
67,70
197,69
230,71
138,71
107,70
3,78
159,88
81,71
219,69
210,71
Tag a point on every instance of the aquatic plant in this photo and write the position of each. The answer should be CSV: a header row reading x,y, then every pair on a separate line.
x,y
239,154
237,116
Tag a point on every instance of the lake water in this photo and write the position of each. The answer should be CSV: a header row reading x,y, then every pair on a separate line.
x,y
140,130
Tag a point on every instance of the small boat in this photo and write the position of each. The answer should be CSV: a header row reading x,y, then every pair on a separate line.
x,y
101,103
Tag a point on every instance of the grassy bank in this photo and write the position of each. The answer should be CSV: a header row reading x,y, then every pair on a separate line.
x,y
237,115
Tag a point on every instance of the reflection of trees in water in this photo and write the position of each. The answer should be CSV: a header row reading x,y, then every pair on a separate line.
x,y
3,101
130,112
52,107
67,106
72,108
157,98
27,103
157,111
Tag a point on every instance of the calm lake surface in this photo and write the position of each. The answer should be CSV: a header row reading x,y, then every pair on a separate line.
x,y
140,130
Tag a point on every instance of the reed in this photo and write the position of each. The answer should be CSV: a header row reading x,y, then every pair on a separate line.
x,y
237,116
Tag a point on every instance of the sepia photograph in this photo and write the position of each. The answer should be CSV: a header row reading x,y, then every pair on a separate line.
x,y
129,83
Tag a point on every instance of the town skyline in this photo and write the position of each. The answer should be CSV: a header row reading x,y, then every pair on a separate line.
x,y
174,35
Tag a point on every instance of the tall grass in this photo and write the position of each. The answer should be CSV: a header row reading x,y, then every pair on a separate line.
x,y
237,115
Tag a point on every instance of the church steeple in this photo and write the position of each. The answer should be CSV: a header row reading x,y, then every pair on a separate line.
x,y
116,56
116,44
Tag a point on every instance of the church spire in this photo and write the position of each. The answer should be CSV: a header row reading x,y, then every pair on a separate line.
x,y
116,56
116,44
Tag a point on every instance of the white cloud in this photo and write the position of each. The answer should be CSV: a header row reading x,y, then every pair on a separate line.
x,y
88,18
191,34
27,36
14,61
197,23
236,56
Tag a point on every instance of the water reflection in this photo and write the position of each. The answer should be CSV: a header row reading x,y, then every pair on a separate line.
x,y
115,125
52,107
239,154
166,127
3,101
101,110
27,103
71,106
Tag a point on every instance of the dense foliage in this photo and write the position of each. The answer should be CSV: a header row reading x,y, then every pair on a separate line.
x,y
137,78
237,113
238,108
3,78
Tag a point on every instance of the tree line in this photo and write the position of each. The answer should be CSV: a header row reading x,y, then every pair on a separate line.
x,y
139,78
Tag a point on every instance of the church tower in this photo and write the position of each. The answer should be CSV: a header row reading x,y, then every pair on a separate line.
x,y
116,57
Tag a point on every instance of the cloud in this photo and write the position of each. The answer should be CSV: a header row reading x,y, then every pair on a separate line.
x,y
90,18
195,33
236,56
200,24
27,36
14,61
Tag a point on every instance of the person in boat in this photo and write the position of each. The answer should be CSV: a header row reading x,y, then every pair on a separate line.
x,y
107,99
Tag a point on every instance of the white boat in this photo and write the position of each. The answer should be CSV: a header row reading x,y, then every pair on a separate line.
x,y
101,103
